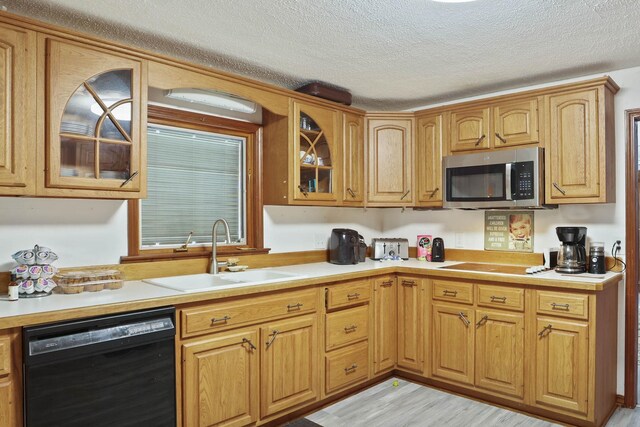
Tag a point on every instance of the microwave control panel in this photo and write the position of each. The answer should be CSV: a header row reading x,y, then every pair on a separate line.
x,y
522,185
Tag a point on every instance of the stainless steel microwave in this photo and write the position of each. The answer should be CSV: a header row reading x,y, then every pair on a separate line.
x,y
496,179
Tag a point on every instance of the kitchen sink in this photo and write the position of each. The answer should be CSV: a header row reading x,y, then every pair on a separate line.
x,y
210,282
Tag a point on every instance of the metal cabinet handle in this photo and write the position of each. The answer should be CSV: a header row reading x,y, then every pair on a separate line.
x,y
220,319
128,180
464,319
294,306
482,321
304,193
353,296
498,299
351,368
479,140
556,306
559,189
349,329
447,292
433,193
504,141
247,341
545,329
387,283
351,193
405,194
409,283
273,336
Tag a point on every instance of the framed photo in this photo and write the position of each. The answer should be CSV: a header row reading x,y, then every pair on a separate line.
x,y
508,231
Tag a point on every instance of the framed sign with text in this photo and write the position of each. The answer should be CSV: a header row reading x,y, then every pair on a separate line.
x,y
508,231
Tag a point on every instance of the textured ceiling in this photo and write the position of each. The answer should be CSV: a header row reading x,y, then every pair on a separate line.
x,y
390,54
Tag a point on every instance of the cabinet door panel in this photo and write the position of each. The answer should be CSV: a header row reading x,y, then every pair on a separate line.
x,y
562,355
221,380
516,123
469,130
385,326
429,160
500,352
289,364
410,323
353,160
17,104
452,343
573,155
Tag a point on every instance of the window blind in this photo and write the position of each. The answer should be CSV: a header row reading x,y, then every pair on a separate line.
x,y
194,178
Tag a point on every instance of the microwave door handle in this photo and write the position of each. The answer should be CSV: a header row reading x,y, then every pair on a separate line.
x,y
508,188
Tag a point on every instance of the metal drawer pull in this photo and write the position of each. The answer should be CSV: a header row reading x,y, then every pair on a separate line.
x,y
350,368
220,319
498,299
447,292
405,195
464,319
273,336
504,141
387,283
294,306
409,283
353,296
479,140
545,329
351,193
352,328
559,189
433,193
482,321
247,341
128,180
304,193
559,306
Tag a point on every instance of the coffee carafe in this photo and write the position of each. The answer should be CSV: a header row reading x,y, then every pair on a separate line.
x,y
572,256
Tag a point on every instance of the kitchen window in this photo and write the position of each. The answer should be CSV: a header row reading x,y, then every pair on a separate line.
x,y
200,168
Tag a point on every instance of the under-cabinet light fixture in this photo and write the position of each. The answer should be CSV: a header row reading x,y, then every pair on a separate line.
x,y
213,99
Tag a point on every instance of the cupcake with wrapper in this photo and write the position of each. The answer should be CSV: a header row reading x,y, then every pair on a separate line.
x,y
34,272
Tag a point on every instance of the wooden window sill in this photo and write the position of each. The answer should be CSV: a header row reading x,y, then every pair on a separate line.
x,y
169,256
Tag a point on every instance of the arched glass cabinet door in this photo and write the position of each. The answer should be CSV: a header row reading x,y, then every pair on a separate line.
x,y
95,129
316,129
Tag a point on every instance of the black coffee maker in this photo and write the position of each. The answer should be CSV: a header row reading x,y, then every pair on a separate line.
x,y
572,256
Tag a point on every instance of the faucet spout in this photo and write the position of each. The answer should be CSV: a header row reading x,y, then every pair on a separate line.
x,y
213,268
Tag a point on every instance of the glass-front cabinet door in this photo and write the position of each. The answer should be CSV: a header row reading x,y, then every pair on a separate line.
x,y
315,130
94,120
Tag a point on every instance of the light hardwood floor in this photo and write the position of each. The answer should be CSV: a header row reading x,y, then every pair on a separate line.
x,y
411,404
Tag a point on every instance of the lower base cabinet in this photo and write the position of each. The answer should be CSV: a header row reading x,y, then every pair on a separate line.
x,y
452,345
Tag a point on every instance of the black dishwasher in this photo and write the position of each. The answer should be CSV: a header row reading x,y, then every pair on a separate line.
x,y
110,371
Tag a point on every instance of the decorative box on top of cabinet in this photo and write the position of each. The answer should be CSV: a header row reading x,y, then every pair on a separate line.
x,y
95,105
302,159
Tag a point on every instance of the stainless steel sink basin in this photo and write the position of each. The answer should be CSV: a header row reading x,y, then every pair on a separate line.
x,y
210,282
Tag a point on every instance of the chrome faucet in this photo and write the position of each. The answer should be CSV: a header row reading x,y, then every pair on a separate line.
x,y
213,268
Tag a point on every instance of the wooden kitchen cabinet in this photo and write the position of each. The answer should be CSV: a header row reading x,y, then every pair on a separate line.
x,y
10,378
391,159
302,157
430,135
580,153
469,129
385,308
515,123
220,380
353,155
18,100
289,364
96,122
452,345
411,332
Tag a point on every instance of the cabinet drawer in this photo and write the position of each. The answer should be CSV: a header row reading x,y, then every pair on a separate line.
x,y
348,294
5,356
561,304
501,297
347,366
347,326
453,291
231,314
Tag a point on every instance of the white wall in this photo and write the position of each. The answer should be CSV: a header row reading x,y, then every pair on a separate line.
x,y
90,232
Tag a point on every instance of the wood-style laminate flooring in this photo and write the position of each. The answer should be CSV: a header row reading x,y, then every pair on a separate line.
x,y
411,404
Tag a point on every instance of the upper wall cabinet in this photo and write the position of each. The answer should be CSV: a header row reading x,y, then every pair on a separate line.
x,y
17,110
96,122
301,157
390,145
353,184
429,143
469,129
580,155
